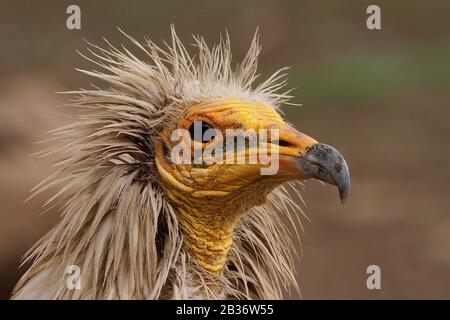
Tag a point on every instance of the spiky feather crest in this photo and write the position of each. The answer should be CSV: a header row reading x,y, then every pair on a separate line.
x,y
117,224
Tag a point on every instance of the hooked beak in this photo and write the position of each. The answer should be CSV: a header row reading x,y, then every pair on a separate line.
x,y
325,163
306,158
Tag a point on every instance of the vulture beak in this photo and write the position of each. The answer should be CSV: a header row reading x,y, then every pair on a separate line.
x,y
325,163
306,158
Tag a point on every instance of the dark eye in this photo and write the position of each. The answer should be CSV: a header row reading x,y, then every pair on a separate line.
x,y
197,131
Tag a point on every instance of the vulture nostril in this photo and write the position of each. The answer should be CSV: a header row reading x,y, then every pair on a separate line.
x,y
282,143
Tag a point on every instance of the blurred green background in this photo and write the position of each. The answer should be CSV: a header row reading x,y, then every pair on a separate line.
x,y
382,97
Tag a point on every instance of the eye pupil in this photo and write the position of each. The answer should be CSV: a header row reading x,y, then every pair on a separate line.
x,y
197,131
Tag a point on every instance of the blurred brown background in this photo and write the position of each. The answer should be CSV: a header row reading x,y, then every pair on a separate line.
x,y
380,97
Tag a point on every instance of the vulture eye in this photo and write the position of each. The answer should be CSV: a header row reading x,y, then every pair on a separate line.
x,y
198,129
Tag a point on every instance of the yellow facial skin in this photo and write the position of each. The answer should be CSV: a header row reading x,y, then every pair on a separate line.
x,y
211,198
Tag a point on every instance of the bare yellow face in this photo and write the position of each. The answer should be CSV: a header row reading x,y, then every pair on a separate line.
x,y
231,175
210,197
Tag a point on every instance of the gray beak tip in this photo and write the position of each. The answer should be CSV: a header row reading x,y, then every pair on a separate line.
x,y
343,197
325,163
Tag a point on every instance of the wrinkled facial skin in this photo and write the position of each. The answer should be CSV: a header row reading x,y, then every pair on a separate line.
x,y
210,198
226,178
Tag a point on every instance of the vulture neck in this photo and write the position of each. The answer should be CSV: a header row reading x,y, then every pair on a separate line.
x,y
208,223
208,236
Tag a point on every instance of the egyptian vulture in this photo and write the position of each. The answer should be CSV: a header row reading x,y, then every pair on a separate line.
x,y
139,225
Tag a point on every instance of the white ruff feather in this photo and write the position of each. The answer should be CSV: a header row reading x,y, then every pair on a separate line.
x,y
117,225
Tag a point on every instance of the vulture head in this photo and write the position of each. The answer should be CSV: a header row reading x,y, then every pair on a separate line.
x,y
156,201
